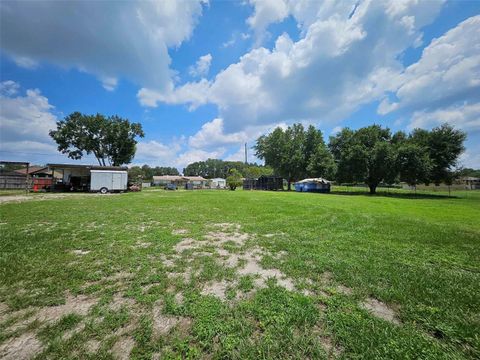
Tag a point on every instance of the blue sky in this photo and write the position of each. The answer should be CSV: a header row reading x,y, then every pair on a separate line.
x,y
205,77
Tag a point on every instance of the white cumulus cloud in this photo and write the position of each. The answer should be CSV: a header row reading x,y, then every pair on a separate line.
x,y
448,71
202,66
341,62
110,39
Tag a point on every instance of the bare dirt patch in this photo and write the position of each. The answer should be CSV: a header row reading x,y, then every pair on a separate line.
x,y
333,351
142,245
186,275
229,245
345,290
216,288
162,324
122,348
253,267
22,198
80,305
271,235
23,347
186,244
179,298
326,277
92,346
227,226
80,252
179,232
220,237
3,308
381,310
68,334
119,301
121,275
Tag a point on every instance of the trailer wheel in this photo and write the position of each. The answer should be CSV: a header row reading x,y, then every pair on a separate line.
x,y
103,190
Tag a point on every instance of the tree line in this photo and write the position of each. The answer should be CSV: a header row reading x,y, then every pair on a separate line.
x,y
216,168
370,155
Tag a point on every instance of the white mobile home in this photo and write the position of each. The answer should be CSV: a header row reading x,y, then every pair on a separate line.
x,y
218,183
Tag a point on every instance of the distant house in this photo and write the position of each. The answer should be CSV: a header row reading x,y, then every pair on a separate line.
x,y
41,176
196,182
166,180
470,182
218,183
35,171
180,182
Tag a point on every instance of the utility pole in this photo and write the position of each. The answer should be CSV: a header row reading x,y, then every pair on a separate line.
x,y
246,162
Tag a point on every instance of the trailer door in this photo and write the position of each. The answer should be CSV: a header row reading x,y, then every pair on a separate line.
x,y
117,181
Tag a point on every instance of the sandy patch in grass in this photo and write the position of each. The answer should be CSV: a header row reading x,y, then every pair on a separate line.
x,y
179,232
92,346
345,290
186,244
166,261
333,351
68,334
119,301
220,238
162,324
253,267
381,310
26,346
142,245
122,348
80,252
186,275
244,262
121,275
179,298
326,277
271,235
216,288
80,305
3,308
227,226
22,198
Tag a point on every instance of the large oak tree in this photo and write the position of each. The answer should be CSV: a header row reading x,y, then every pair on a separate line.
x,y
112,140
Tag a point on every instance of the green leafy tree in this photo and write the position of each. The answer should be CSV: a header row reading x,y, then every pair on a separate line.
x,y
234,179
295,153
135,174
469,172
256,171
321,163
444,145
414,164
366,155
216,168
112,140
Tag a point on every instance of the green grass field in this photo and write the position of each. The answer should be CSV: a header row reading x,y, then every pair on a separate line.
x,y
244,275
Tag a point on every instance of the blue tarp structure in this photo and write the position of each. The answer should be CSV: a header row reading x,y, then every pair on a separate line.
x,y
313,185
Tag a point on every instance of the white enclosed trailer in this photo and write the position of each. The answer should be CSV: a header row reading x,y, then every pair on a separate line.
x,y
108,180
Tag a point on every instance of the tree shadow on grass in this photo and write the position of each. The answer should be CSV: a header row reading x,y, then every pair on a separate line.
x,y
396,195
